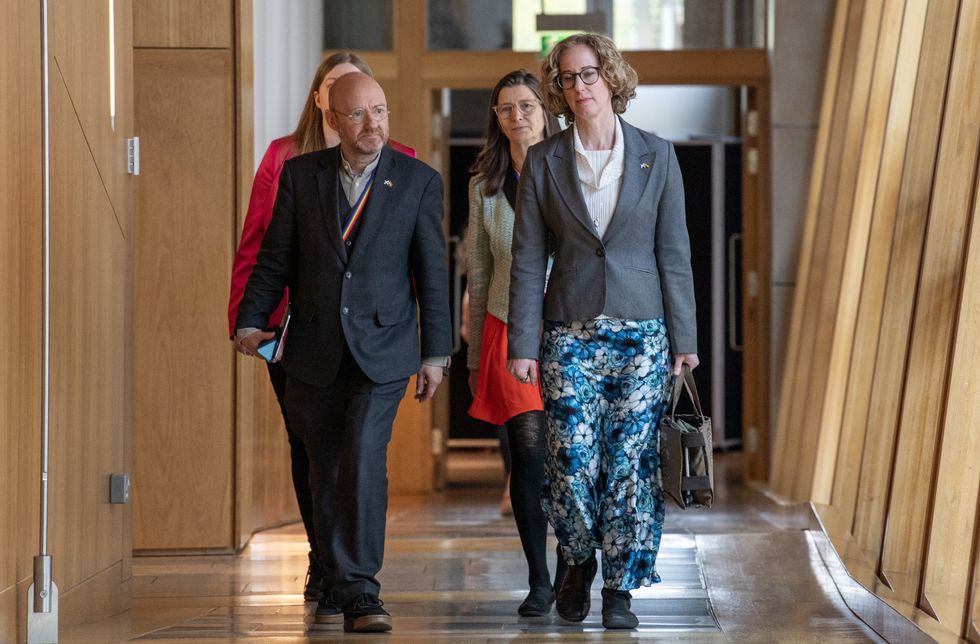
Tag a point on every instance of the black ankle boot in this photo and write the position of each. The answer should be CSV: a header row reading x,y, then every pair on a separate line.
x,y
616,611
560,568
537,603
574,596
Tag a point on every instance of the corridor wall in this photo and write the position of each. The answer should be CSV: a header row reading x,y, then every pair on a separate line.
x,y
211,458
193,446
879,421
91,319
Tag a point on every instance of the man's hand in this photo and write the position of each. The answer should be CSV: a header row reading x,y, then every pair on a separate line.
x,y
427,381
524,369
251,342
681,359
239,348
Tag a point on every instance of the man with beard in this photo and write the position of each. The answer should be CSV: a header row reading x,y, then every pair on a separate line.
x,y
356,235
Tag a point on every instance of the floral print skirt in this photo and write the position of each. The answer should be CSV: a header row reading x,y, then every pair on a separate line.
x,y
605,384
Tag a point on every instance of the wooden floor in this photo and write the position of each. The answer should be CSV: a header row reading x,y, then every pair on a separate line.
x,y
748,570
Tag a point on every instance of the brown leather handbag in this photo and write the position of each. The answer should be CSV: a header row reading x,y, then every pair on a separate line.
x,y
685,450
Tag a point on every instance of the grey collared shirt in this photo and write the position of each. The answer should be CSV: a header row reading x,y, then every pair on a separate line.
x,y
353,184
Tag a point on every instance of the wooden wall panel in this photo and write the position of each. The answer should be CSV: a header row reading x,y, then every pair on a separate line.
x,y
91,210
183,23
892,342
88,252
245,453
796,460
868,323
898,425
410,460
937,301
947,570
868,180
273,499
973,622
183,440
20,296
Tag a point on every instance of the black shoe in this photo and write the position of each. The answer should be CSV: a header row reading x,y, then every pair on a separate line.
x,y
616,611
314,580
328,612
364,614
560,568
574,596
537,603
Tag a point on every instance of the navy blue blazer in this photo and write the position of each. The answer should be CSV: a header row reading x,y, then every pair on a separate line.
x,y
386,295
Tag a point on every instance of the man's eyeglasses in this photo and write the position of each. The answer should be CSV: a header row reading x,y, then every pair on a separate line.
x,y
508,110
378,113
589,76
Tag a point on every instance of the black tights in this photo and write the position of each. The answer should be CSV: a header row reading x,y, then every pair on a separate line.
x,y
525,434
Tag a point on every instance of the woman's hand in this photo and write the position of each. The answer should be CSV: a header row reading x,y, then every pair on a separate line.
x,y
474,381
524,369
681,359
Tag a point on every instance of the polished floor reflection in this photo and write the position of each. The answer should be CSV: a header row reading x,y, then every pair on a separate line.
x,y
744,571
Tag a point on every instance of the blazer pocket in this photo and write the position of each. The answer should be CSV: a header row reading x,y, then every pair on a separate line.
x,y
652,270
392,315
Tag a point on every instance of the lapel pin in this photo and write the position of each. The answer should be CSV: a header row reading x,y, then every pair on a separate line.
x,y
389,183
645,165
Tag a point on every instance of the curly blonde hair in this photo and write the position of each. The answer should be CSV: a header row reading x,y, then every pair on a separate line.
x,y
619,76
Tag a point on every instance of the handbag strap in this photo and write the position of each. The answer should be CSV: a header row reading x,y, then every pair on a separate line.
x,y
686,381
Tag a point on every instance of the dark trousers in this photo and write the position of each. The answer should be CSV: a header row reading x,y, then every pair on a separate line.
x,y
297,456
346,427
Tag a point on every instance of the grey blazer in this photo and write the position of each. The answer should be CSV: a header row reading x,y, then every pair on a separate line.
x,y
640,269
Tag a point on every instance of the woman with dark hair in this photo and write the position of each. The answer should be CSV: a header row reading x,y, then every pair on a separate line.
x,y
516,120
607,201
311,134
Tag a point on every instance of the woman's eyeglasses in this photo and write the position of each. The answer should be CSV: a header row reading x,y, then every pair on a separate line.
x,y
589,76
508,110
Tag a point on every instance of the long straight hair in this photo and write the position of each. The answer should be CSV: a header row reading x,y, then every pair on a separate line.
x,y
494,162
308,135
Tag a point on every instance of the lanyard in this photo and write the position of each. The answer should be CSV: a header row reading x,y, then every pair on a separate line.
x,y
354,215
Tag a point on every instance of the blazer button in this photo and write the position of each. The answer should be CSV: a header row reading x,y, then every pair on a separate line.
x,y
346,311
600,252
347,275
347,243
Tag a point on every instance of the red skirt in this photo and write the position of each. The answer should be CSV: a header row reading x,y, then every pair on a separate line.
x,y
499,396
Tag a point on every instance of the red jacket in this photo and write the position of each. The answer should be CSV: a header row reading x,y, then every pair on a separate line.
x,y
257,218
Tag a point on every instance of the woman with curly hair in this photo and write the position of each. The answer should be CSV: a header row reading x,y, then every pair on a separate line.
x,y
619,319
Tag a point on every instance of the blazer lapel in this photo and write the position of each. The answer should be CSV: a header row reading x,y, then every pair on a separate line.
x,y
563,169
372,219
327,187
638,162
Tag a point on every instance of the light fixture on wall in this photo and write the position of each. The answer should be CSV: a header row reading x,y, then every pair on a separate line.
x,y
112,65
